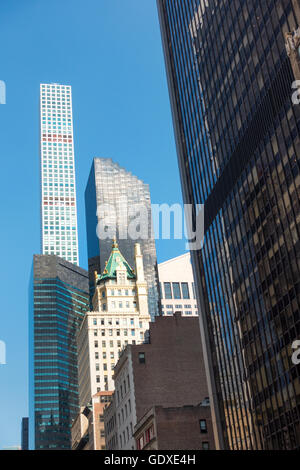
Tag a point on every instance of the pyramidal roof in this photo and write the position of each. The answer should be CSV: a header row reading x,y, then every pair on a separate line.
x,y
115,260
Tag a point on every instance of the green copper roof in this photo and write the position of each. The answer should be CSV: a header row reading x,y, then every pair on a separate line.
x,y
116,258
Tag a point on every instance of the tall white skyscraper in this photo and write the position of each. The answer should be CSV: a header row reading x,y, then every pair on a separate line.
x,y
58,188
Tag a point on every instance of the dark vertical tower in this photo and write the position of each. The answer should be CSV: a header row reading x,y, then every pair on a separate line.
x,y
24,434
58,302
111,185
231,65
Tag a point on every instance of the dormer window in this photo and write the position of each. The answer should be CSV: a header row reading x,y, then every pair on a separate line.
x,y
121,278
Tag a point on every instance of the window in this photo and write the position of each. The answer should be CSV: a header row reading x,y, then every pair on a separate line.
x,y
194,292
185,290
205,445
168,291
176,290
203,426
142,358
161,291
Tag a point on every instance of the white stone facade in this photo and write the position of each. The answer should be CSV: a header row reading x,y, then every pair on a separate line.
x,y
120,317
177,286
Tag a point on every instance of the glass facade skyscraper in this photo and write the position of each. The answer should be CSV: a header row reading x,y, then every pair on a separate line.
x,y
58,190
58,301
111,192
237,130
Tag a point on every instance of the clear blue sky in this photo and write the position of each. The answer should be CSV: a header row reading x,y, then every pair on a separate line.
x,y
110,52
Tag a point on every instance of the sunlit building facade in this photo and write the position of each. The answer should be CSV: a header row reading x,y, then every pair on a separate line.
x,y
113,198
177,289
231,66
58,191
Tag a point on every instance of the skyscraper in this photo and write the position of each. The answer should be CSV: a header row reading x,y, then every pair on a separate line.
x,y
58,193
120,316
58,290
237,132
58,302
110,186
24,434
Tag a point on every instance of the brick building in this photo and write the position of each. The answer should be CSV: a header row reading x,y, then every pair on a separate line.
x,y
88,427
167,372
183,428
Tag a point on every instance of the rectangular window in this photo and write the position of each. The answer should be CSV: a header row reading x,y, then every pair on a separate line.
x,y
185,290
176,290
194,292
161,291
203,426
168,291
142,358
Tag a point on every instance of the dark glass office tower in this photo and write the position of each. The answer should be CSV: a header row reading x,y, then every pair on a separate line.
x,y
109,185
58,301
230,69
24,434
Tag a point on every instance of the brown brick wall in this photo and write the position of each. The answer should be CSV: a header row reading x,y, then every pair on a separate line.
x,y
174,374
179,429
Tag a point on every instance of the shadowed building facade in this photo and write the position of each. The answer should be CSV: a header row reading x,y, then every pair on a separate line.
x,y
58,302
231,66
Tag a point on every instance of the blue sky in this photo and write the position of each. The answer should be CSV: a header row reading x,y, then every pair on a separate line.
x,y
110,52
